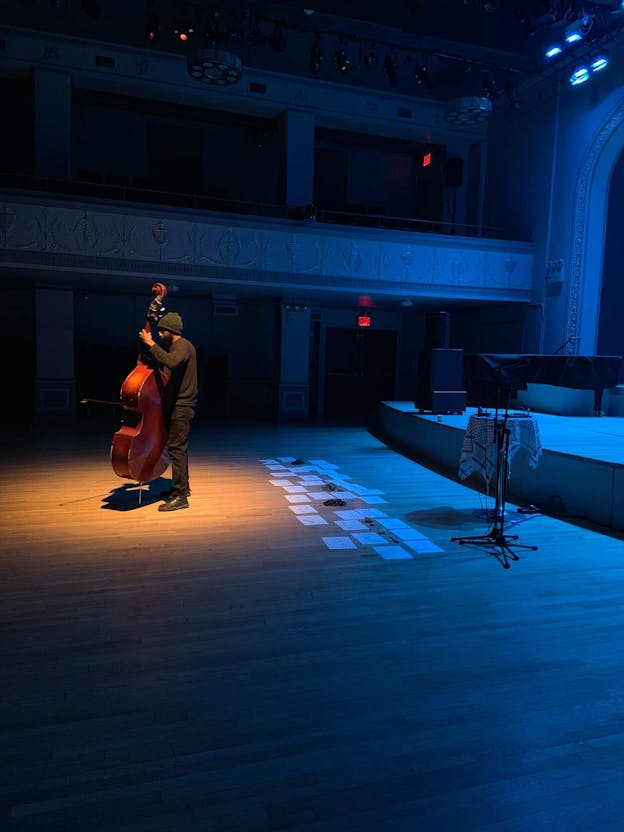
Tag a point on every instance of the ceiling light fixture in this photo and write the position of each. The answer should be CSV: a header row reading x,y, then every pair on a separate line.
x,y
152,26
390,70
553,51
183,33
468,110
490,89
342,61
579,76
423,77
599,63
371,59
577,30
214,66
316,56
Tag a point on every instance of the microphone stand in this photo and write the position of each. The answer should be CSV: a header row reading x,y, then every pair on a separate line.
x,y
495,536
565,344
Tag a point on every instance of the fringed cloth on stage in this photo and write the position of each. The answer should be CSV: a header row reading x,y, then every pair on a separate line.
x,y
479,448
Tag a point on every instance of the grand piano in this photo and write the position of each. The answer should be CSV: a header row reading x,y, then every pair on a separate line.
x,y
491,379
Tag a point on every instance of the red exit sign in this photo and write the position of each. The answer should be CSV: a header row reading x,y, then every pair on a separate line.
x,y
426,160
364,320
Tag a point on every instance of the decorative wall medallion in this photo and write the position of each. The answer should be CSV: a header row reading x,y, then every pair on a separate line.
x,y
407,258
159,233
510,264
291,249
313,260
85,233
7,219
352,258
39,232
432,265
229,248
193,243
460,269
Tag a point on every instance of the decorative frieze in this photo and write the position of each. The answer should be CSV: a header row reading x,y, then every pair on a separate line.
x,y
318,255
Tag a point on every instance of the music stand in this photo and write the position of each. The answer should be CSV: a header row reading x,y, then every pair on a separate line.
x,y
495,536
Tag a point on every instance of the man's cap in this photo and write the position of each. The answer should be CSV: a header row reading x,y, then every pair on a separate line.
x,y
172,322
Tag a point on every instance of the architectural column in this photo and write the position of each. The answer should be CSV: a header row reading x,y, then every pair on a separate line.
x,y
53,124
55,392
298,131
294,388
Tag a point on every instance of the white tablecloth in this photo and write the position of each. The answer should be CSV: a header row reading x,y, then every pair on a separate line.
x,y
479,447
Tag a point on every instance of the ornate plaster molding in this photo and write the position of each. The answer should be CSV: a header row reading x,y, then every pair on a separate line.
x,y
582,224
116,239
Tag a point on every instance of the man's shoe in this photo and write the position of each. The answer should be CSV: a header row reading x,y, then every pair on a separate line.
x,y
166,495
174,504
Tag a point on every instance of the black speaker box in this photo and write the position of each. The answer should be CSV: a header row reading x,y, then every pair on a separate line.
x,y
437,330
447,369
455,172
440,379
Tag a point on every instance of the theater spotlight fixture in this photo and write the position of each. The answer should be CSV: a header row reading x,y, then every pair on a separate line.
x,y
152,26
342,61
390,70
423,77
316,56
183,33
469,110
579,76
577,30
553,51
371,59
214,66
599,63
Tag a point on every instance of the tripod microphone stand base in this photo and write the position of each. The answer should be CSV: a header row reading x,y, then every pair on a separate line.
x,y
496,538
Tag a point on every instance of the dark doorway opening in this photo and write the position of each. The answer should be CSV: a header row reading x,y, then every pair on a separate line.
x,y
359,371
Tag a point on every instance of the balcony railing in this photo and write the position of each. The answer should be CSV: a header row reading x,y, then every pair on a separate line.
x,y
127,190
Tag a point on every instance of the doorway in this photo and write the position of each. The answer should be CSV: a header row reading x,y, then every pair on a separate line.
x,y
360,371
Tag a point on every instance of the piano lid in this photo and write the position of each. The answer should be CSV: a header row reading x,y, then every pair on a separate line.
x,y
513,371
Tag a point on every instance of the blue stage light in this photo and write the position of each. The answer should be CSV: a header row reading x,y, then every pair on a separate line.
x,y
574,37
579,76
554,50
598,63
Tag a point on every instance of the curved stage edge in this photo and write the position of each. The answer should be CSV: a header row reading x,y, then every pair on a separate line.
x,y
580,475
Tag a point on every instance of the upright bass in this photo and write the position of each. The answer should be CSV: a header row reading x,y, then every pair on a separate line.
x,y
139,448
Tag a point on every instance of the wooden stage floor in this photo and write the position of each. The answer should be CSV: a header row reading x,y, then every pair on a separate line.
x,y
266,661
